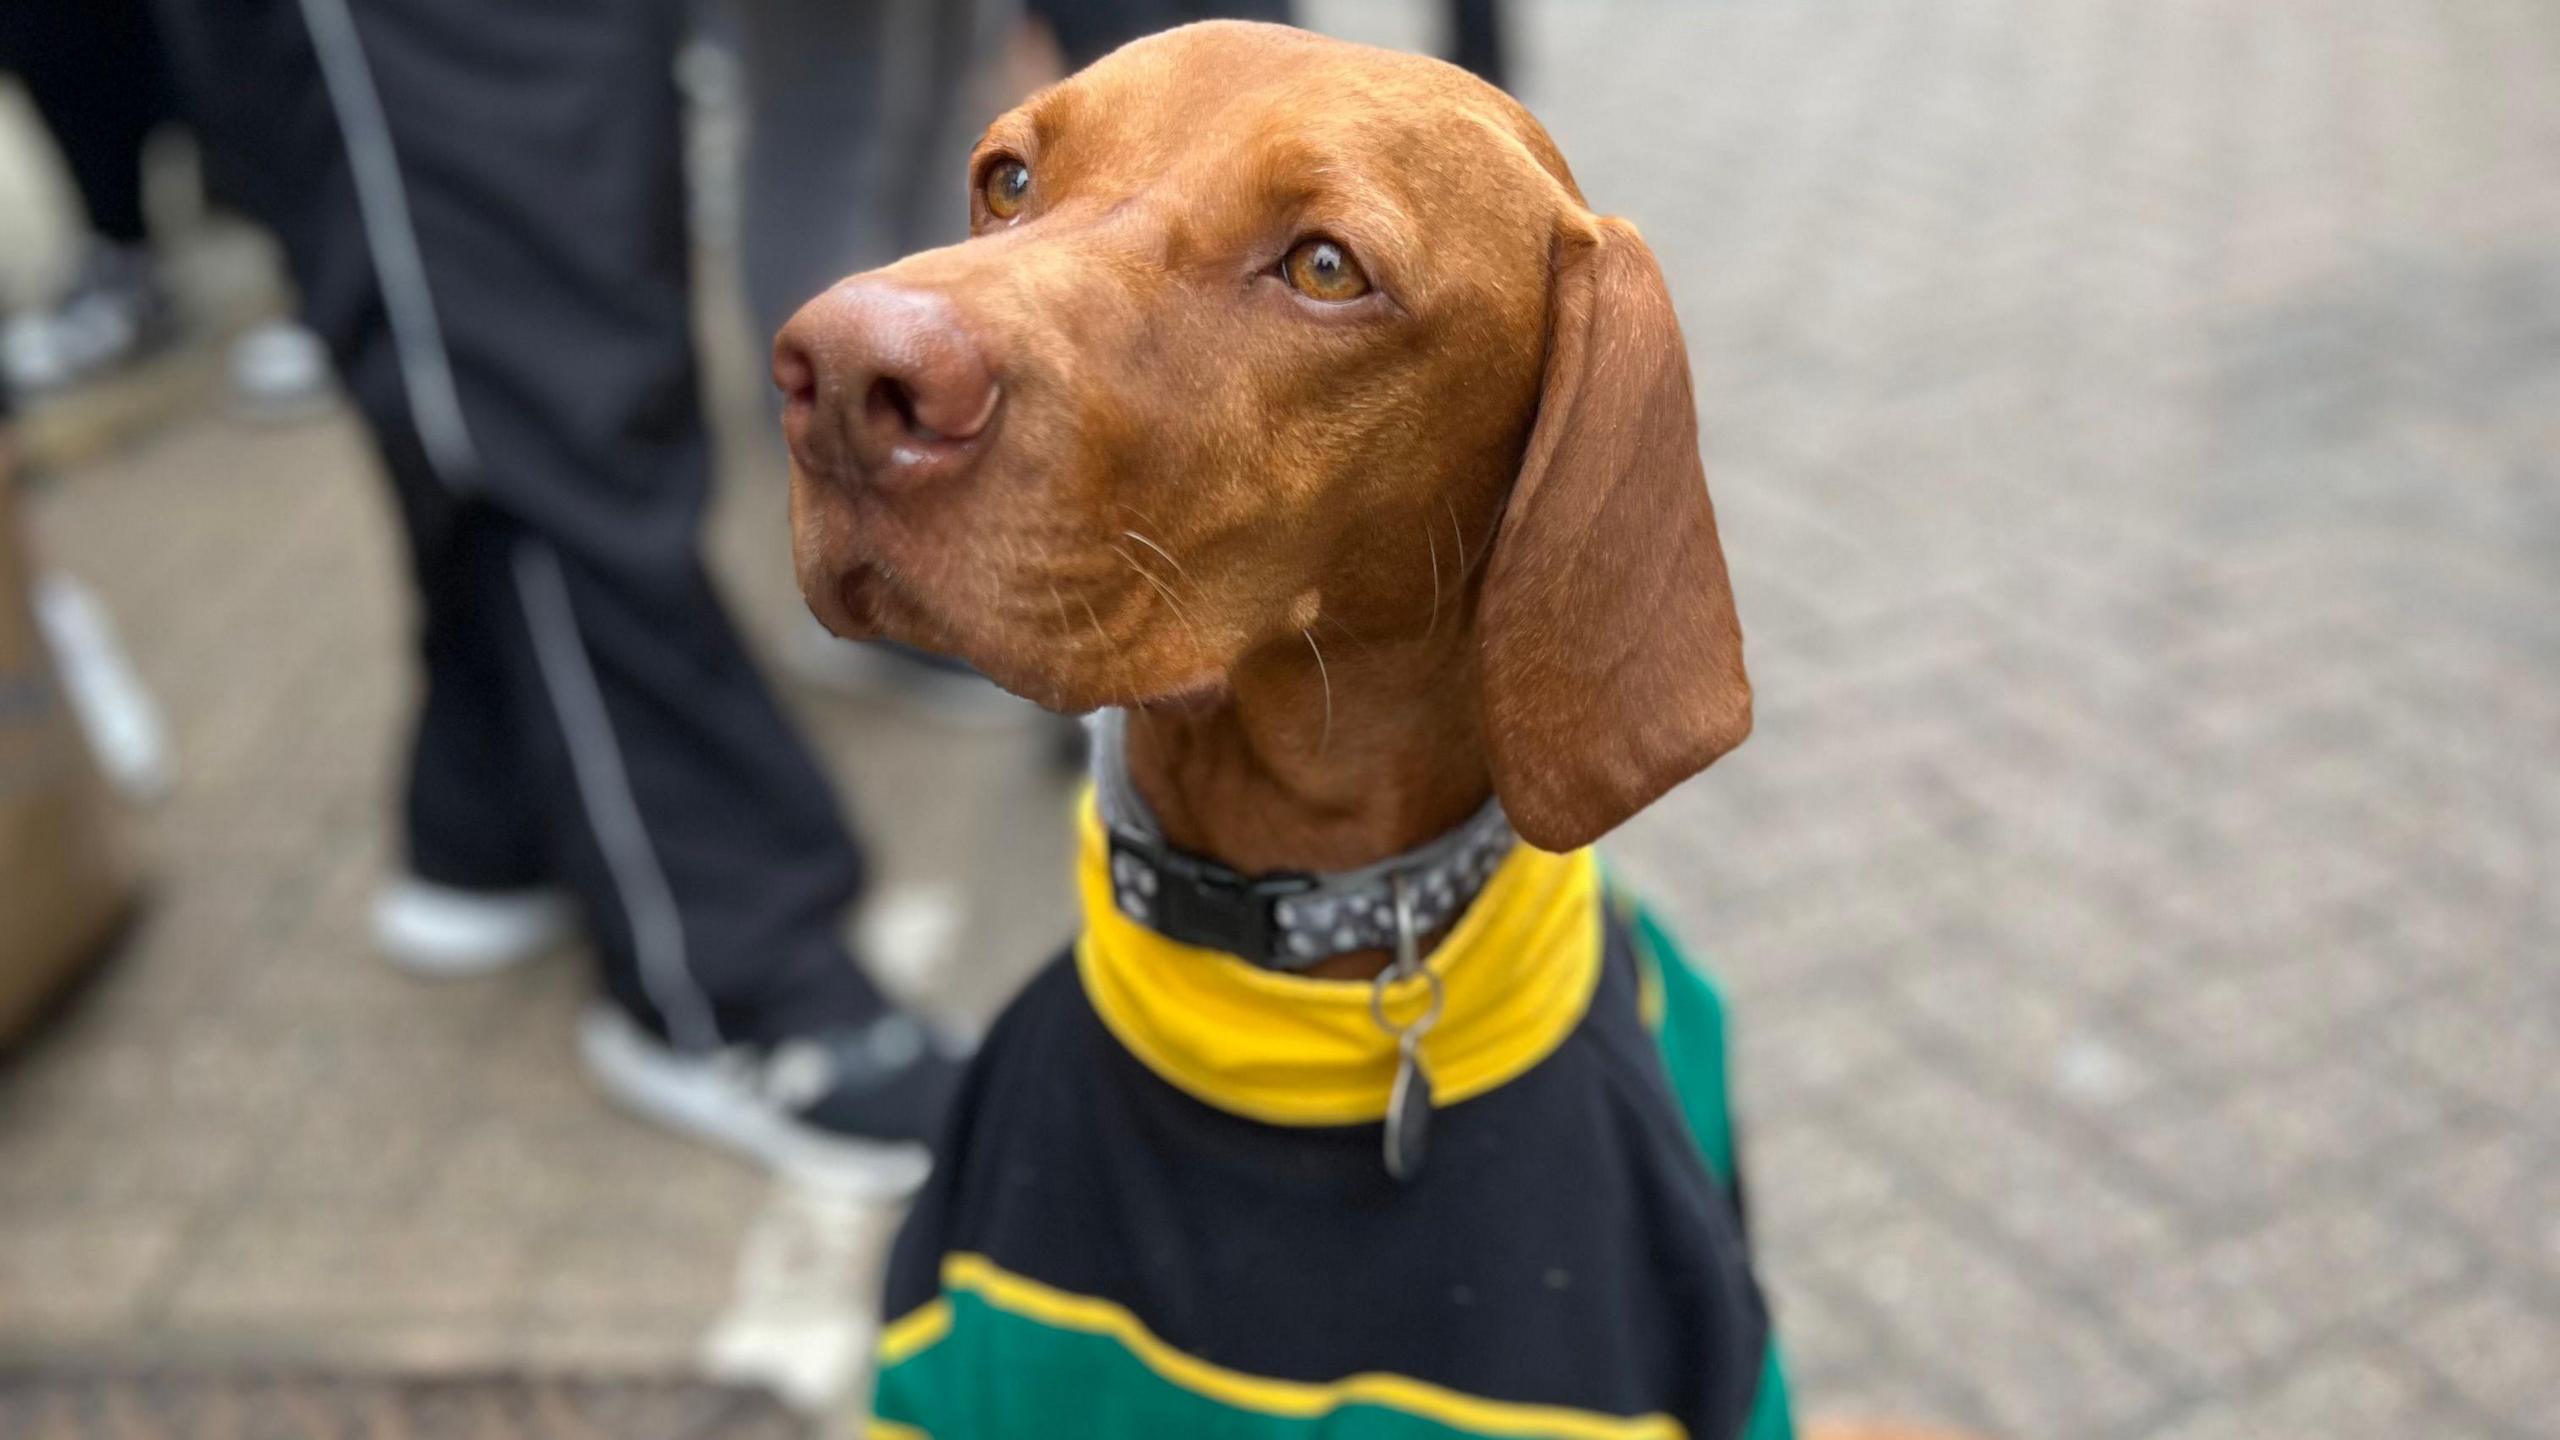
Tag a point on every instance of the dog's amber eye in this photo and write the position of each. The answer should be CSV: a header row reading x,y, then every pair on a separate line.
x,y
1323,270
1007,185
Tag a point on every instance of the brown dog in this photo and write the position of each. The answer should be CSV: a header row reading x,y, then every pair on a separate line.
x,y
1111,454
1289,397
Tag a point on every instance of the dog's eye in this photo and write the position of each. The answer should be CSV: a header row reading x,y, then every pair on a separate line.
x,y
1323,270
1007,185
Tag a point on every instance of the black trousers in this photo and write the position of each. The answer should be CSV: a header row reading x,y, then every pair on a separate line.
x,y
1476,39
1087,30
482,202
94,70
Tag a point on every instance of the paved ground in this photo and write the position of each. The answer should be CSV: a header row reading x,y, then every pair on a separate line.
x,y
2136,427
201,1407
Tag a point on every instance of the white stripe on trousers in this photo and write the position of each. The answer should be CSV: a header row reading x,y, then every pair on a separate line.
x,y
435,405
604,787
382,201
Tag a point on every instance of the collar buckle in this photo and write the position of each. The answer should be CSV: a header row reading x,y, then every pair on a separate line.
x,y
1198,902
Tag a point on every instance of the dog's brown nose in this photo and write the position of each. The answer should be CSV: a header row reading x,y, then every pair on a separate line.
x,y
882,385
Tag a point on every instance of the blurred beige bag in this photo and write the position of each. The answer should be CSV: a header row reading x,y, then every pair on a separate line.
x,y
64,880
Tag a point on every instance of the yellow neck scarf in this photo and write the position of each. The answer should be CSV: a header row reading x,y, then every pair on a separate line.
x,y
1519,969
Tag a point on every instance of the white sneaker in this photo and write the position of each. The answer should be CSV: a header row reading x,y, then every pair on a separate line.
x,y
280,372
443,933
846,1112
115,312
909,934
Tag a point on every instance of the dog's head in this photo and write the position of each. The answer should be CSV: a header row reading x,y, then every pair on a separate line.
x,y
1259,332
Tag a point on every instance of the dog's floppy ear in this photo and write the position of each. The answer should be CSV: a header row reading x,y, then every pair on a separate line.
x,y
1611,661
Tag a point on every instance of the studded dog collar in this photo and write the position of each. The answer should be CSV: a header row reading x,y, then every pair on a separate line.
x,y
1283,920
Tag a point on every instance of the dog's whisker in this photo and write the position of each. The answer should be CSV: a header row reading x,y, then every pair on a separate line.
x,y
1324,739
1058,603
1367,650
1168,555
1119,665
1431,537
1141,514
1457,534
991,577
1162,589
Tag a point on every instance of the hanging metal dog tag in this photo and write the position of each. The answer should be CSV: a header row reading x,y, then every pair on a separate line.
x,y
1408,1127
1408,1111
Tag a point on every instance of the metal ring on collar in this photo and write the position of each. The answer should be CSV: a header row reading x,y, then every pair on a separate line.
x,y
1408,962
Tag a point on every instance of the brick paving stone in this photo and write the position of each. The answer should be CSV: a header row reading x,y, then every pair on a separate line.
x,y
1836,1351
465,1407
2345,1393
2034,1367
1827,1174
2059,1035
319,1265
1793,1049
2496,1351
2505,1197
2246,1300
77,1277
2270,1009
2493,1044
2264,1141
2033,1184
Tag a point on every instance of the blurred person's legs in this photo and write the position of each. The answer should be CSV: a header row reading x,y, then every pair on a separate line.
x,y
483,205
860,115
860,118
1086,30
1476,39
95,72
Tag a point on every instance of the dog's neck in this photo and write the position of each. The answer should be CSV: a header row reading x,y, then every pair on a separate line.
x,y
1315,760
